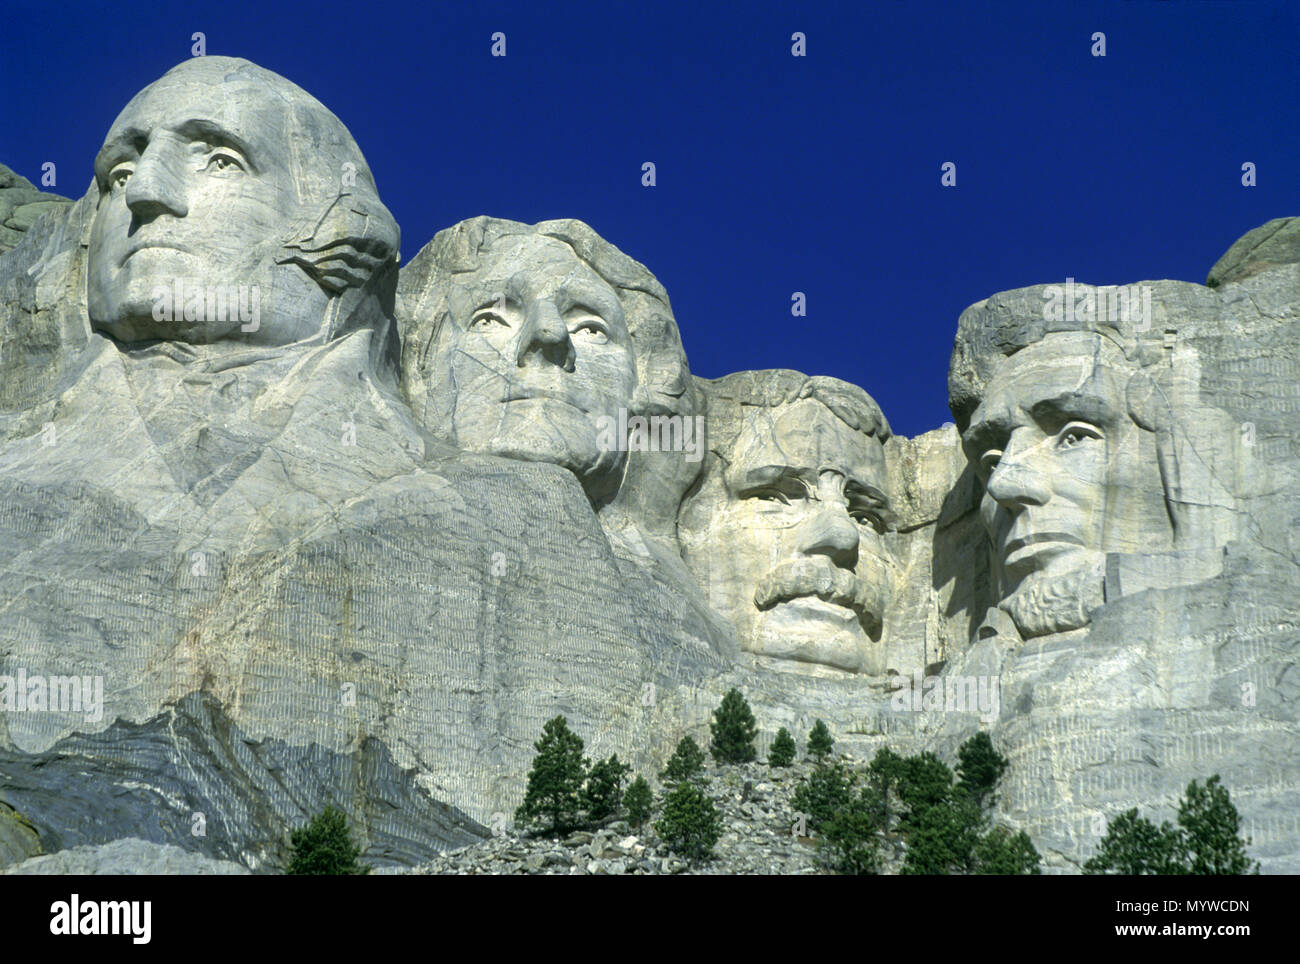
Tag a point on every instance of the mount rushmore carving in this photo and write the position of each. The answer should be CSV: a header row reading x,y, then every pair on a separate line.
x,y
303,511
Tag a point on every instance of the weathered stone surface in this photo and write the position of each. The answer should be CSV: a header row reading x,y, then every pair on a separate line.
x,y
21,204
277,509
126,857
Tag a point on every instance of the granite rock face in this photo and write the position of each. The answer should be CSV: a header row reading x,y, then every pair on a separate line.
x,y
21,204
126,857
286,526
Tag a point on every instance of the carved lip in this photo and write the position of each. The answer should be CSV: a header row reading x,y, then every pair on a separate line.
x,y
145,245
1038,543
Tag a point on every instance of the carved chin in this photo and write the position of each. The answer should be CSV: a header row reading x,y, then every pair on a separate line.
x,y
1044,604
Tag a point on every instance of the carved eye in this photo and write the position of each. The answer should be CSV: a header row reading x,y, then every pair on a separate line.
x,y
868,519
224,162
1076,434
118,177
989,461
592,331
770,495
487,322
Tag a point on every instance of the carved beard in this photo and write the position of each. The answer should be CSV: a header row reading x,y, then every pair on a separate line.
x,y
1054,604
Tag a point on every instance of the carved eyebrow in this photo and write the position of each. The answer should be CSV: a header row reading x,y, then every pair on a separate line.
x,y
762,476
214,134
583,294
988,432
130,140
862,492
1068,406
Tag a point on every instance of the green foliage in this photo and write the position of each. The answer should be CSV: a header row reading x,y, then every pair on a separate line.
x,y
690,824
603,793
1001,852
850,838
825,791
685,763
1211,282
1205,841
637,802
943,822
979,766
941,836
820,742
554,792
1135,845
782,752
325,846
1210,826
733,730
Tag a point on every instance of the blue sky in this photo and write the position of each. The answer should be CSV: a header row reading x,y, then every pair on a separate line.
x,y
776,174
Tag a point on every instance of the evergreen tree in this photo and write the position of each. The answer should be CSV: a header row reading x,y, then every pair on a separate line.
x,y
850,839
690,824
1134,845
979,767
820,742
782,752
1210,824
637,802
325,846
1001,852
1205,841
826,790
603,794
733,730
555,781
884,771
685,763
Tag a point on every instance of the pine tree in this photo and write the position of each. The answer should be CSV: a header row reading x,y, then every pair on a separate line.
x,y
637,802
325,846
782,752
979,767
823,792
1205,841
555,781
1210,824
733,729
685,763
820,742
690,824
850,839
1001,852
603,794
1134,845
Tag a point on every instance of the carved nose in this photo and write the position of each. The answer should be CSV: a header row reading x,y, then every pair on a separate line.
x,y
545,338
831,533
1013,484
155,188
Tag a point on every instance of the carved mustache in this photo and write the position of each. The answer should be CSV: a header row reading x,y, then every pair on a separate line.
x,y
818,576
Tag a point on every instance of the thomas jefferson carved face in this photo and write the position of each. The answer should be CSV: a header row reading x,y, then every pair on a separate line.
x,y
536,351
196,190
793,553
1068,475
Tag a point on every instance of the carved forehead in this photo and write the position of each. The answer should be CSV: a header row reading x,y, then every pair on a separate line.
x,y
806,437
283,125
1079,373
527,265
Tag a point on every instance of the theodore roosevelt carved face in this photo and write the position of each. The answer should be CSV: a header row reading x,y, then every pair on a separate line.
x,y
787,532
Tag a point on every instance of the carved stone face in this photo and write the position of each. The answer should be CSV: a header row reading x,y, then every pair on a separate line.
x,y
197,193
794,555
536,351
1068,475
